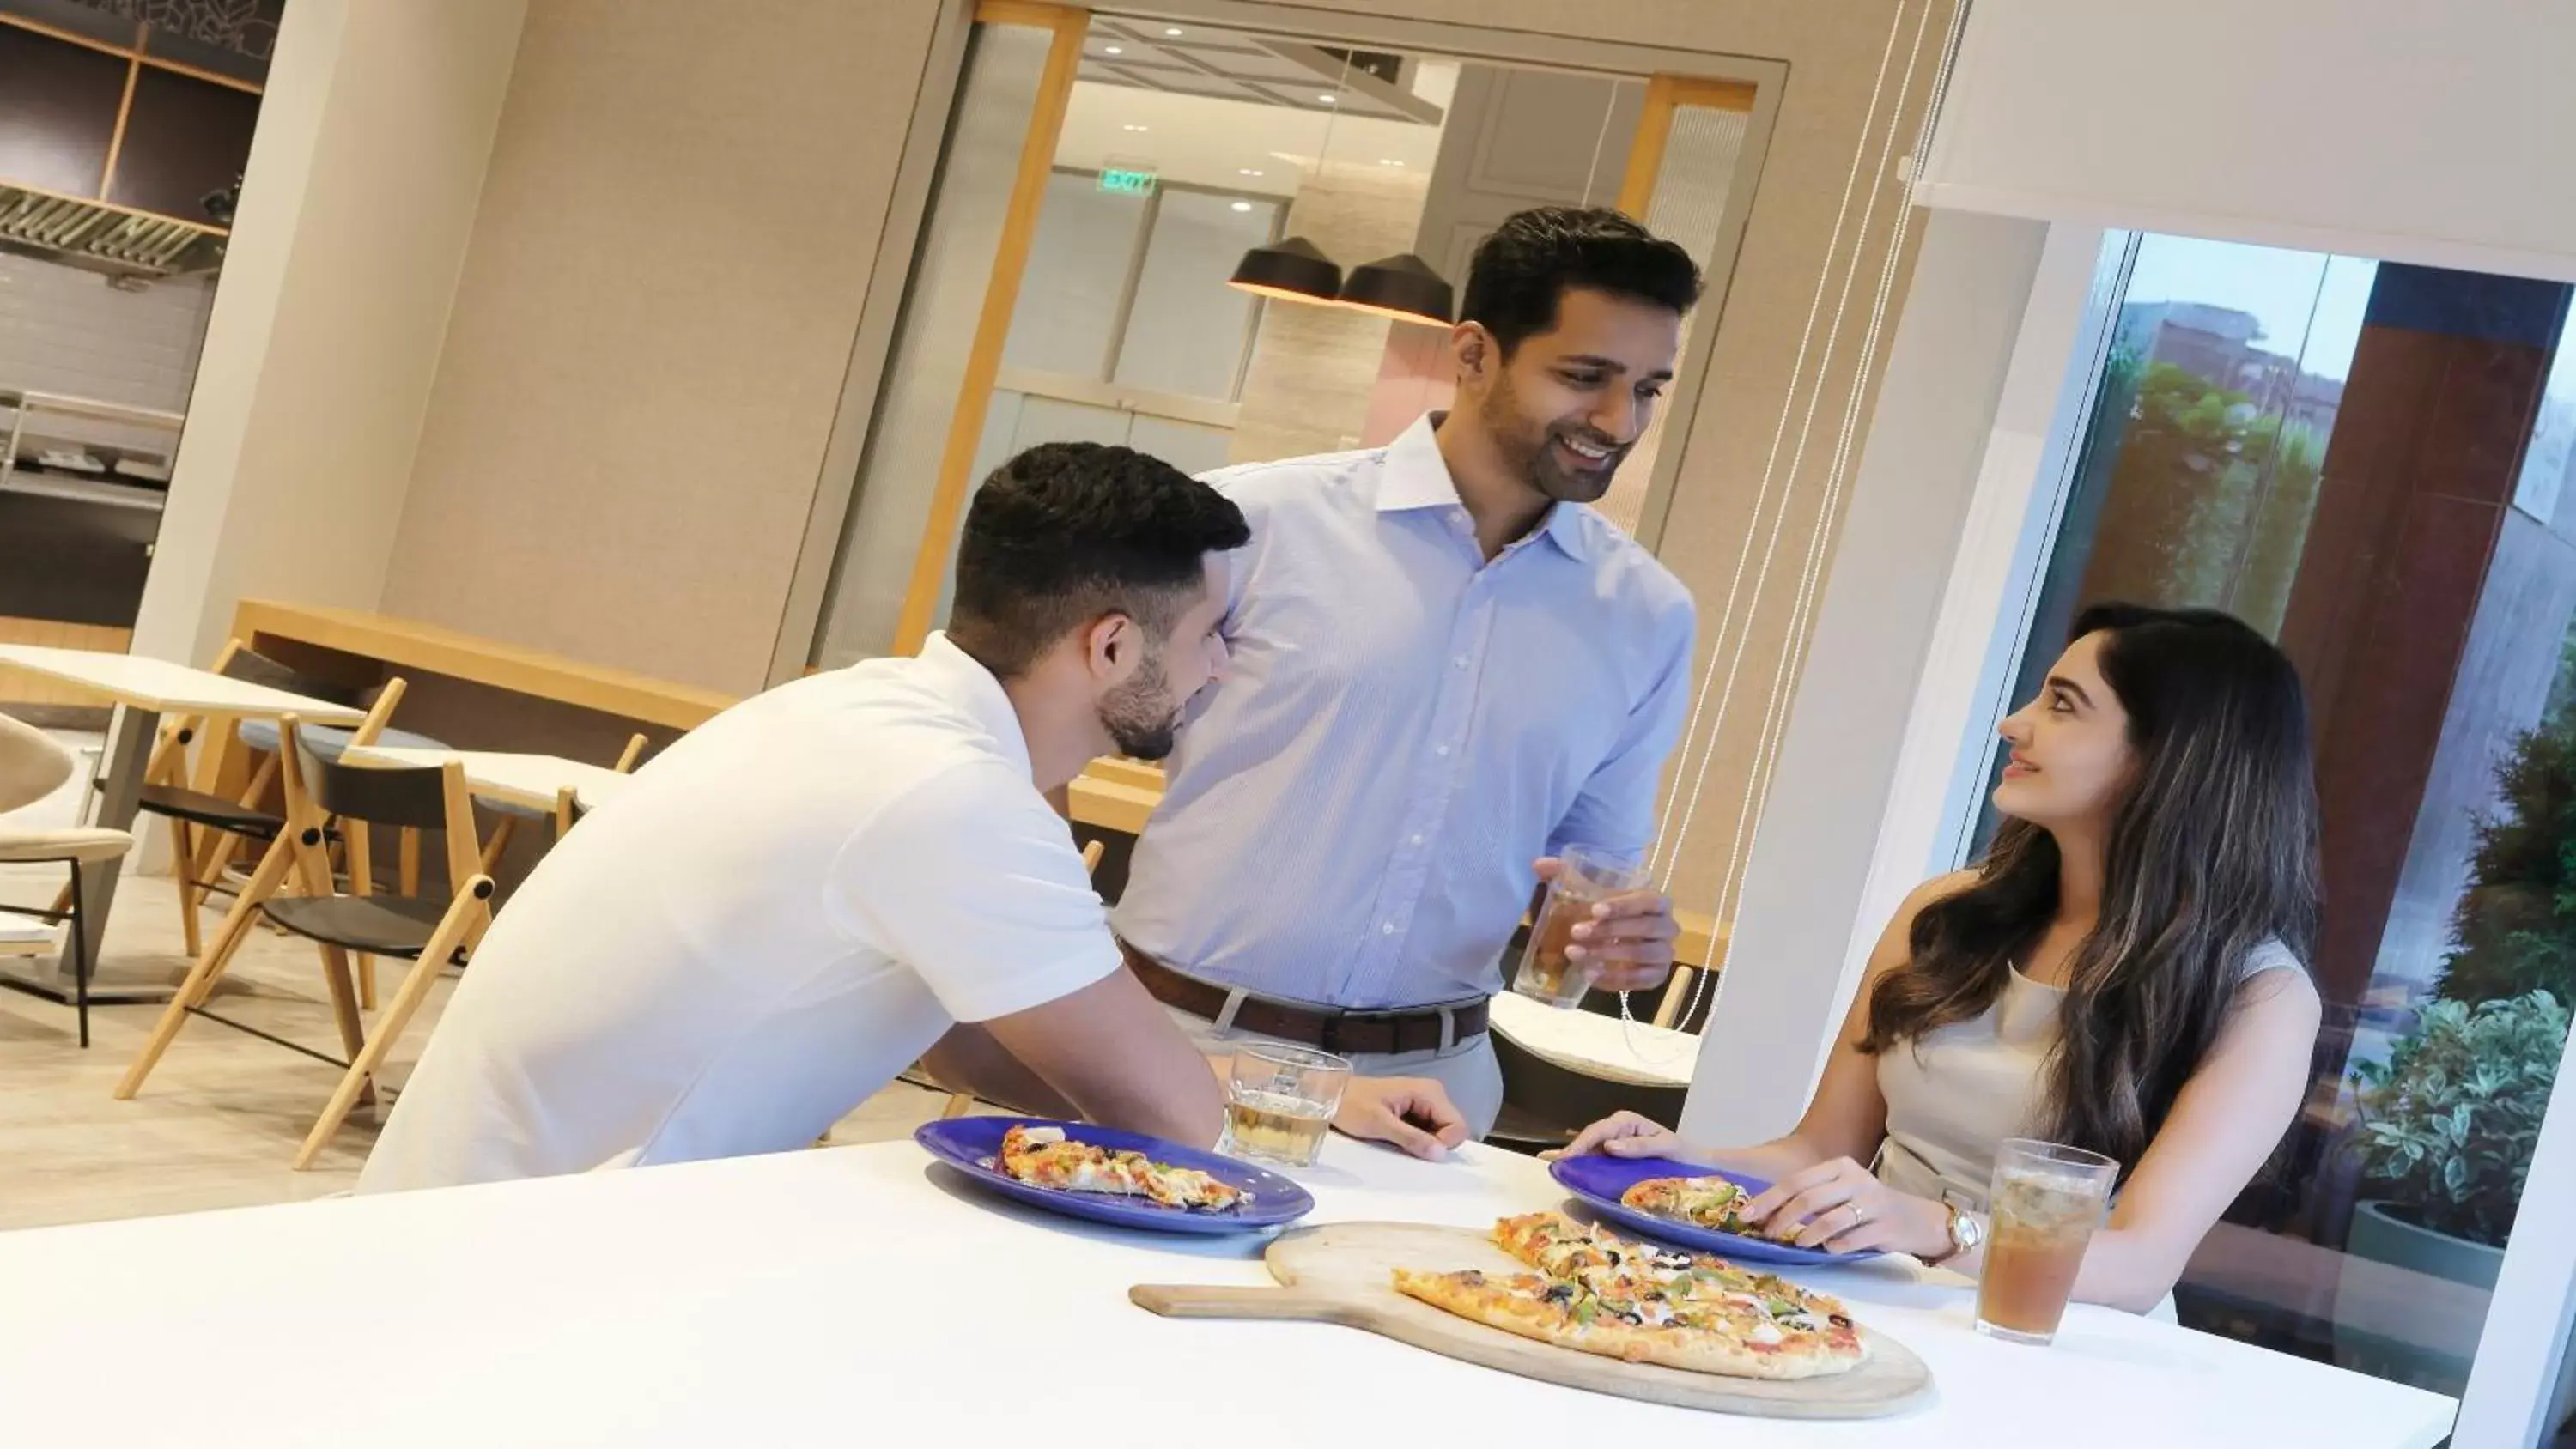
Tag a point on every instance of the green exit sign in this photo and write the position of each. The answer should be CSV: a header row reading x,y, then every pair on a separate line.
x,y
1127,180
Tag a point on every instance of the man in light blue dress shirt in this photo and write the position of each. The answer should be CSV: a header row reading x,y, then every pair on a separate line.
x,y
1447,669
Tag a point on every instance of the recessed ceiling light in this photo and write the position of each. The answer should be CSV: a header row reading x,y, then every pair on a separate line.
x,y
1171,30
1243,206
1388,161
1115,49
1245,171
1131,128
1327,98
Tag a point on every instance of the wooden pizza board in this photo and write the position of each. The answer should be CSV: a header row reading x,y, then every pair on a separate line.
x,y
1342,1273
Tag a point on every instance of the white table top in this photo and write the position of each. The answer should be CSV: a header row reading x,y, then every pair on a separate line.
x,y
858,1295
166,688
1637,1052
531,781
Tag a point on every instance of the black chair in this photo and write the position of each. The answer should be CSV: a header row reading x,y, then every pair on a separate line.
x,y
1545,1105
430,931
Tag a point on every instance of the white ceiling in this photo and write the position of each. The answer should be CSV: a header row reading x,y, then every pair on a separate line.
x,y
1210,142
1204,60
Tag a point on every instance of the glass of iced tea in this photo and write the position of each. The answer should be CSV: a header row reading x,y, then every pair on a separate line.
x,y
2047,1200
1278,1101
1590,877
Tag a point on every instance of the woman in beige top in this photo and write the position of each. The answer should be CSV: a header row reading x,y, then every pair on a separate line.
x,y
2122,973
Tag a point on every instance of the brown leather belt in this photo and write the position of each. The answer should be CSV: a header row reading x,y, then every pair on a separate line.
x,y
1372,1033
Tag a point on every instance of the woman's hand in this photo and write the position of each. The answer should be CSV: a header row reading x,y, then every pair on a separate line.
x,y
1840,1207
1626,1134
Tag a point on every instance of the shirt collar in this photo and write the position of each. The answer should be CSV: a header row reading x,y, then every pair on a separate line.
x,y
962,678
1415,476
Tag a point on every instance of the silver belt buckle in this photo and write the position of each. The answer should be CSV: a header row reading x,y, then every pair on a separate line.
x,y
1448,1029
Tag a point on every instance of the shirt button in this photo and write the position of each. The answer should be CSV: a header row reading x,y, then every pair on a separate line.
x,y
1441,750
1417,840
1386,928
1460,661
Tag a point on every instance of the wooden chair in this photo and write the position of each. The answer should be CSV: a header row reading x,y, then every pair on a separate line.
x,y
206,827
32,767
510,815
427,931
961,1103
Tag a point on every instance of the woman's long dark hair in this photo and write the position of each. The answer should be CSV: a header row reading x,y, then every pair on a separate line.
x,y
2212,852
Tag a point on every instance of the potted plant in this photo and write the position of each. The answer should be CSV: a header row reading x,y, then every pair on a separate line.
x,y
2447,1128
2445,1138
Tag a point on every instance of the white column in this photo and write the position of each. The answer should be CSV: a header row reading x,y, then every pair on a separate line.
x,y
2522,1379
1991,315
360,194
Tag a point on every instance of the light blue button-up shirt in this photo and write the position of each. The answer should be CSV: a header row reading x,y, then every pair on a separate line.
x,y
1405,728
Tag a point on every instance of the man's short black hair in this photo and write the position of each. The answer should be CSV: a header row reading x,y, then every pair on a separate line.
x,y
1523,269
1067,532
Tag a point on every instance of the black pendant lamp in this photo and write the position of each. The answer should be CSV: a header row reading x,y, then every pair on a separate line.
x,y
1293,270
1403,287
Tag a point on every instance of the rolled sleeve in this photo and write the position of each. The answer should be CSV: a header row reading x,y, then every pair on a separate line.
x,y
974,884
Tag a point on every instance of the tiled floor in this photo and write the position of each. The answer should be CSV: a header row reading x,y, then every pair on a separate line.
x,y
220,1119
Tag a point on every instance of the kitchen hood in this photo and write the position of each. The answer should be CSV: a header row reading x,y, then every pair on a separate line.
x,y
107,238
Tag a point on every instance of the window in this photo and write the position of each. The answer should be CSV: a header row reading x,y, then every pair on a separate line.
x,y
2372,463
1130,288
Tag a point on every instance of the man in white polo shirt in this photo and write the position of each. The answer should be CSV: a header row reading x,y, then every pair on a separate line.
x,y
808,892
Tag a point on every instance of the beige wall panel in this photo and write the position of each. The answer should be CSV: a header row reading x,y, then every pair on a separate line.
x,y
656,314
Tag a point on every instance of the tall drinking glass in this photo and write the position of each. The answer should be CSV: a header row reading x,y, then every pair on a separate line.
x,y
2047,1200
1590,877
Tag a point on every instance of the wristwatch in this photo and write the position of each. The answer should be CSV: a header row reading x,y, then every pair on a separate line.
x,y
1967,1234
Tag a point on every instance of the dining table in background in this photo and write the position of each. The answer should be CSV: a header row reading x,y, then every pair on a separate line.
x,y
143,690
531,782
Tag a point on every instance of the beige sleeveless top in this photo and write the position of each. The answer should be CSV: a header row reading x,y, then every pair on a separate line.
x,y
1957,1093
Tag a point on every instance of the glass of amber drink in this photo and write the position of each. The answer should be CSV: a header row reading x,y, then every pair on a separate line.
x,y
1590,877
2046,1202
1278,1101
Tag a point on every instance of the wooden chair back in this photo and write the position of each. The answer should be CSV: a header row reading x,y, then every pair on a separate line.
x,y
427,799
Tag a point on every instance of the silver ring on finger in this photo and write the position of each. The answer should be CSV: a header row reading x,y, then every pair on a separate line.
x,y
1859,1215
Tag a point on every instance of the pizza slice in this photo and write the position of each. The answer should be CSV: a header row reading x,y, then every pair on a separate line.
x,y
1703,1202
1045,1157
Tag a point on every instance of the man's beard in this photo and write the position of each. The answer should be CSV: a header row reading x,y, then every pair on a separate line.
x,y
1142,718
1536,462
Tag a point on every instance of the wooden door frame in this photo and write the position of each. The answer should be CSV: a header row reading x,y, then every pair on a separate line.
x,y
930,560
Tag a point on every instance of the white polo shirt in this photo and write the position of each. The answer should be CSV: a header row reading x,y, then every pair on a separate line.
x,y
778,914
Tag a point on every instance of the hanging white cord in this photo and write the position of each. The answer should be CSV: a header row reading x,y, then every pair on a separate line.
x,y
1776,712
1774,715
1334,113
1667,856
1601,140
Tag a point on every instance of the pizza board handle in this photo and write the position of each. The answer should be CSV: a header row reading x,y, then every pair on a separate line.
x,y
1196,1300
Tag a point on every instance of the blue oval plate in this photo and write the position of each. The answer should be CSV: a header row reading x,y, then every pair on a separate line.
x,y
969,1144
1599,1181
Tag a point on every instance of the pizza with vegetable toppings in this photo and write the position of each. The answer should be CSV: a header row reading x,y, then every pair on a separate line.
x,y
1045,1157
1600,1293
1702,1202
